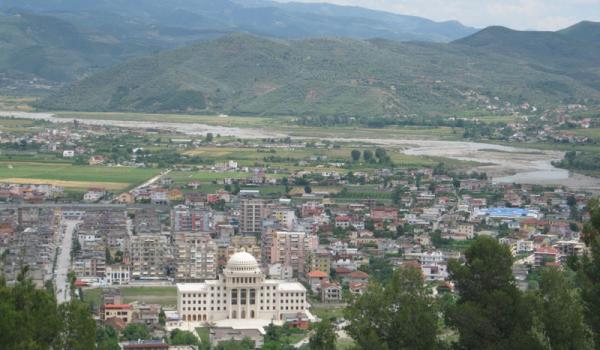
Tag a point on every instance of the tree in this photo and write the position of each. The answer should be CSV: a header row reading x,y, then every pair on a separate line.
x,y
324,337
209,137
368,155
307,189
560,313
135,331
28,316
589,271
162,318
107,338
355,155
179,337
31,319
397,316
79,328
244,344
490,313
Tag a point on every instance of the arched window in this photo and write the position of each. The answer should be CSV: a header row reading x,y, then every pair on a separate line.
x,y
251,313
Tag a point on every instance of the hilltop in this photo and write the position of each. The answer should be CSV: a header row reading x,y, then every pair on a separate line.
x,y
149,19
248,75
51,51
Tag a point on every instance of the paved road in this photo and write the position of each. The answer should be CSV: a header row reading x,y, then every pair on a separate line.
x,y
63,264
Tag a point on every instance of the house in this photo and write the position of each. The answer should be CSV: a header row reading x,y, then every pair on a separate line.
x,y
145,345
356,276
125,198
357,288
94,195
331,292
120,311
95,160
316,278
546,255
68,154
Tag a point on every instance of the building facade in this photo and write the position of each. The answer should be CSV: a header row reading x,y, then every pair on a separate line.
x,y
252,212
195,257
240,293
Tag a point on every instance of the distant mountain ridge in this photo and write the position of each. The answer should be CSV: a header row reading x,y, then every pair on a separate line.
x,y
265,18
248,75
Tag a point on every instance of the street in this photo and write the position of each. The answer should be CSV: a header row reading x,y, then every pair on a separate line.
x,y
63,263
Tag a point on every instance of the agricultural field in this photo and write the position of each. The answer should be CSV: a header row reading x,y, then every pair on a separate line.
x,y
165,296
73,176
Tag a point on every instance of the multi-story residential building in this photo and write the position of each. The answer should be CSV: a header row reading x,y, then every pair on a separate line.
x,y
318,261
148,256
190,219
195,257
546,255
285,216
241,293
289,248
252,212
232,245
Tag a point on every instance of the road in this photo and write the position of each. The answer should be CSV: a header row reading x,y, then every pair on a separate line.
x,y
152,180
63,264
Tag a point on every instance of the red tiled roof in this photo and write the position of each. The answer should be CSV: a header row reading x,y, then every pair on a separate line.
x,y
358,274
117,306
317,274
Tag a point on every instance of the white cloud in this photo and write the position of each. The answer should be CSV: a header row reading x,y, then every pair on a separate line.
x,y
517,14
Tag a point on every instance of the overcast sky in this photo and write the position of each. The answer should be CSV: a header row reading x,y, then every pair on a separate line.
x,y
517,14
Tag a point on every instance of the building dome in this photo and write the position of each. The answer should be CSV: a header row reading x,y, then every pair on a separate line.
x,y
242,261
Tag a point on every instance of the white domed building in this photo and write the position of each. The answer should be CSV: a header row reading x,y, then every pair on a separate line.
x,y
241,296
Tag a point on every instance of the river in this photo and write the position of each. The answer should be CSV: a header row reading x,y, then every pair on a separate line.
x,y
502,163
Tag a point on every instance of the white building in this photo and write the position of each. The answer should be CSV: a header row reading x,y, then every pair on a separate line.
x,y
241,294
117,274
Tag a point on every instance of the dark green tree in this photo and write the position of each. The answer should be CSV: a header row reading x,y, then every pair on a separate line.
x,y
79,328
560,313
491,312
107,338
179,337
588,269
135,331
324,337
397,316
368,155
28,316
355,155
244,344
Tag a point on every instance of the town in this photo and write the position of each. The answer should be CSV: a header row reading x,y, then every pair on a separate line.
x,y
227,238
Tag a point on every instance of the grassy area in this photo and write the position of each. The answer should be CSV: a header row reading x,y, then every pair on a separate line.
x,y
203,334
73,176
165,296
327,311
344,344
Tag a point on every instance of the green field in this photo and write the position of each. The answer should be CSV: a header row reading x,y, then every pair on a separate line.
x,y
73,176
165,296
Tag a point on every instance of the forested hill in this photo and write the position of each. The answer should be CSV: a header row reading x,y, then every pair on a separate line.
x,y
50,49
244,74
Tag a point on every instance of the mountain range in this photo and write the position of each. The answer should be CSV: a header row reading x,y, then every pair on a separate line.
x,y
270,58
245,74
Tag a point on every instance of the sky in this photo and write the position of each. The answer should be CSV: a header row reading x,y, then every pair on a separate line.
x,y
516,14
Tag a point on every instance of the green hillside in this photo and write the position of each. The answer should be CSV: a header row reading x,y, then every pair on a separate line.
x,y
573,51
50,51
247,75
